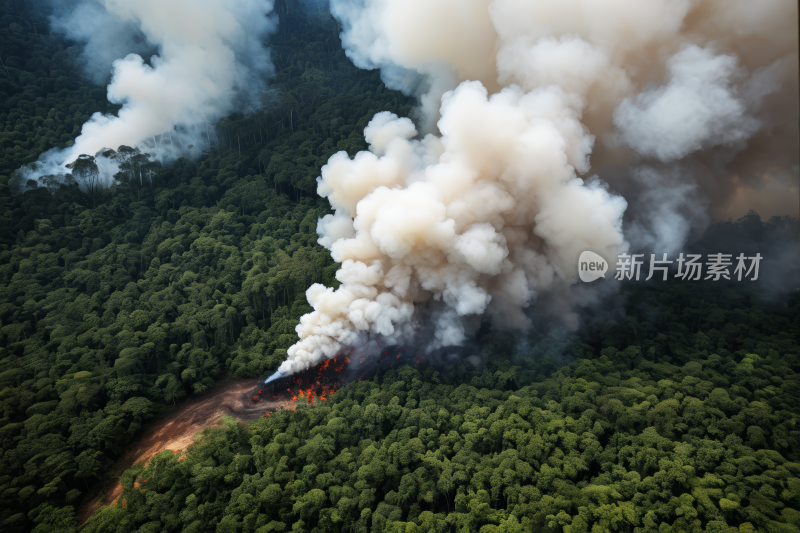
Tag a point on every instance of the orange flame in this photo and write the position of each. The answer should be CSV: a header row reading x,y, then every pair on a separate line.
x,y
315,383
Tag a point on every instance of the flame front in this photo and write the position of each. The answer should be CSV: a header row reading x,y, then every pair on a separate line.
x,y
317,383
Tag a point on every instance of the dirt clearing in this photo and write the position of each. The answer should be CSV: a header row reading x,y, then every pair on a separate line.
x,y
174,431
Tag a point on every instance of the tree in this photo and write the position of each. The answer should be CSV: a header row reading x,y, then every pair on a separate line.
x,y
86,174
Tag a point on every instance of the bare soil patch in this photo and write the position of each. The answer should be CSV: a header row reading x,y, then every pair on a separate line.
x,y
244,400
174,430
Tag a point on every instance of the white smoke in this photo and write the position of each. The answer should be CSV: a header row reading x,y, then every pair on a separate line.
x,y
668,208
210,58
477,220
696,109
488,212
106,36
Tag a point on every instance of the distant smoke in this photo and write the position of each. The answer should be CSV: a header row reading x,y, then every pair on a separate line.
x,y
487,214
106,36
210,59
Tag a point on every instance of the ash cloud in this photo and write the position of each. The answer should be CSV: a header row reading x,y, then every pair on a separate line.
x,y
209,59
485,214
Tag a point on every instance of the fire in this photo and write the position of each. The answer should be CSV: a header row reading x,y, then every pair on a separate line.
x,y
317,383
320,383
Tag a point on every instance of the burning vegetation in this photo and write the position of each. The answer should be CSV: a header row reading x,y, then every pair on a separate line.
x,y
320,382
316,383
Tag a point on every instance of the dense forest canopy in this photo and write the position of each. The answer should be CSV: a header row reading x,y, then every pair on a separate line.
x,y
121,296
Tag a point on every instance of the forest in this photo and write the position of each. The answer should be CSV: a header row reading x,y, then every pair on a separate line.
x,y
118,299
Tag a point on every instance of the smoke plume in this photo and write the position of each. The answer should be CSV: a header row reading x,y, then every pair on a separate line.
x,y
477,220
488,211
210,59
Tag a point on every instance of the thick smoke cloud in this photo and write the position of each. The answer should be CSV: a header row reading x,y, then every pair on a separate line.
x,y
608,52
210,60
486,214
477,220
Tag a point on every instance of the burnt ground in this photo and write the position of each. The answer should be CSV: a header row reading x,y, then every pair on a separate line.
x,y
174,430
